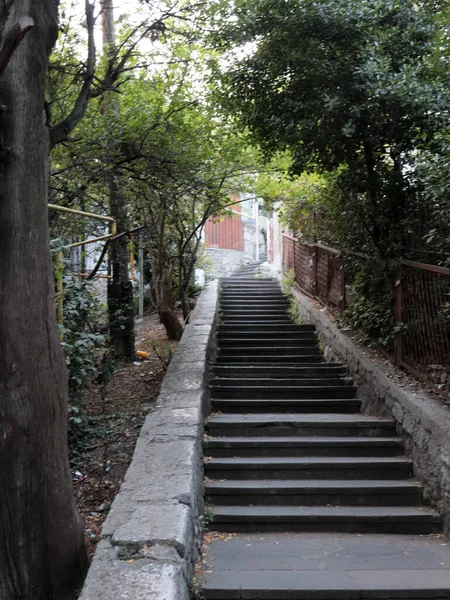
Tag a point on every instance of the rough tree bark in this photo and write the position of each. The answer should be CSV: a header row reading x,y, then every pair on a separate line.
x,y
42,555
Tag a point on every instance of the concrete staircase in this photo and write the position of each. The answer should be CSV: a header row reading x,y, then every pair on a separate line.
x,y
288,454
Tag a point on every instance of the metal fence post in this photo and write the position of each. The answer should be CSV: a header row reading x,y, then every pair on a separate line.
x,y
398,316
314,268
342,296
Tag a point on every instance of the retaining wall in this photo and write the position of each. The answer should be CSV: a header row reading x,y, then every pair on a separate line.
x,y
225,262
151,537
421,419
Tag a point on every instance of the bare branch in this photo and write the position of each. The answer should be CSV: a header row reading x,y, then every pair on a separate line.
x,y
60,132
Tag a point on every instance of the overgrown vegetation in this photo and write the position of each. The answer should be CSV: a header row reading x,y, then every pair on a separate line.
x,y
88,354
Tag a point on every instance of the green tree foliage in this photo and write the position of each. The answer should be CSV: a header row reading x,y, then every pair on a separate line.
x,y
357,93
174,157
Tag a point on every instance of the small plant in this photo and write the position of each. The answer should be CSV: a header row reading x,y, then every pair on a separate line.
x,y
196,591
288,282
206,518
293,311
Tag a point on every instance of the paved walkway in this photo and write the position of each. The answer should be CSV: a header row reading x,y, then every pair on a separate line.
x,y
316,500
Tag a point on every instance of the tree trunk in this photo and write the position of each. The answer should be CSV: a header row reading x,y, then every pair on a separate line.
x,y
41,535
167,315
120,289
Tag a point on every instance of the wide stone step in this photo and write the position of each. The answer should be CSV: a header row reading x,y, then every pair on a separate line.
x,y
224,358
241,331
281,382
313,405
254,315
327,566
350,519
272,351
252,296
251,280
313,493
299,425
309,468
233,320
264,326
281,340
322,370
306,446
261,392
249,300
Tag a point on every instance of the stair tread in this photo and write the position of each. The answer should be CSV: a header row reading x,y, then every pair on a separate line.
x,y
302,441
321,419
336,461
312,484
336,512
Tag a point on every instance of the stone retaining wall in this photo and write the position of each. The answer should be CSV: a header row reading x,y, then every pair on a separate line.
x,y
150,539
421,419
225,262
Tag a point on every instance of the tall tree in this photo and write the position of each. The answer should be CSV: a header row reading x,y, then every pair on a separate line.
x,y
120,290
340,83
41,536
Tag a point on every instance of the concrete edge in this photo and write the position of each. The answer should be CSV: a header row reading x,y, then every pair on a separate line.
x,y
421,420
151,537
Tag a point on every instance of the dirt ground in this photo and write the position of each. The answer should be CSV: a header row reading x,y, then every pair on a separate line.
x,y
115,417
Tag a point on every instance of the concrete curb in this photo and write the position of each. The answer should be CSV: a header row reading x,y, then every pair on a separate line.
x,y
151,536
421,420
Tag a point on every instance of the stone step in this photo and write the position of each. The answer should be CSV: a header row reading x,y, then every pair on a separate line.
x,y
272,351
306,446
313,492
249,299
254,308
300,392
233,320
265,295
224,358
282,340
242,331
313,405
322,370
259,314
263,326
299,425
309,468
327,566
281,382
350,519
257,281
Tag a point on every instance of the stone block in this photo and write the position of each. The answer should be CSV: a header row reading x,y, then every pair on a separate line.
x,y
164,524
111,578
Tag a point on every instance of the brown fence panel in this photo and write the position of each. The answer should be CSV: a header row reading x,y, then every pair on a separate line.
x,y
304,267
330,277
423,313
319,271
288,252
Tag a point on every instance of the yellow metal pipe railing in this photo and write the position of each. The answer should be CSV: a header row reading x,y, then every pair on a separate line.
x,y
59,258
